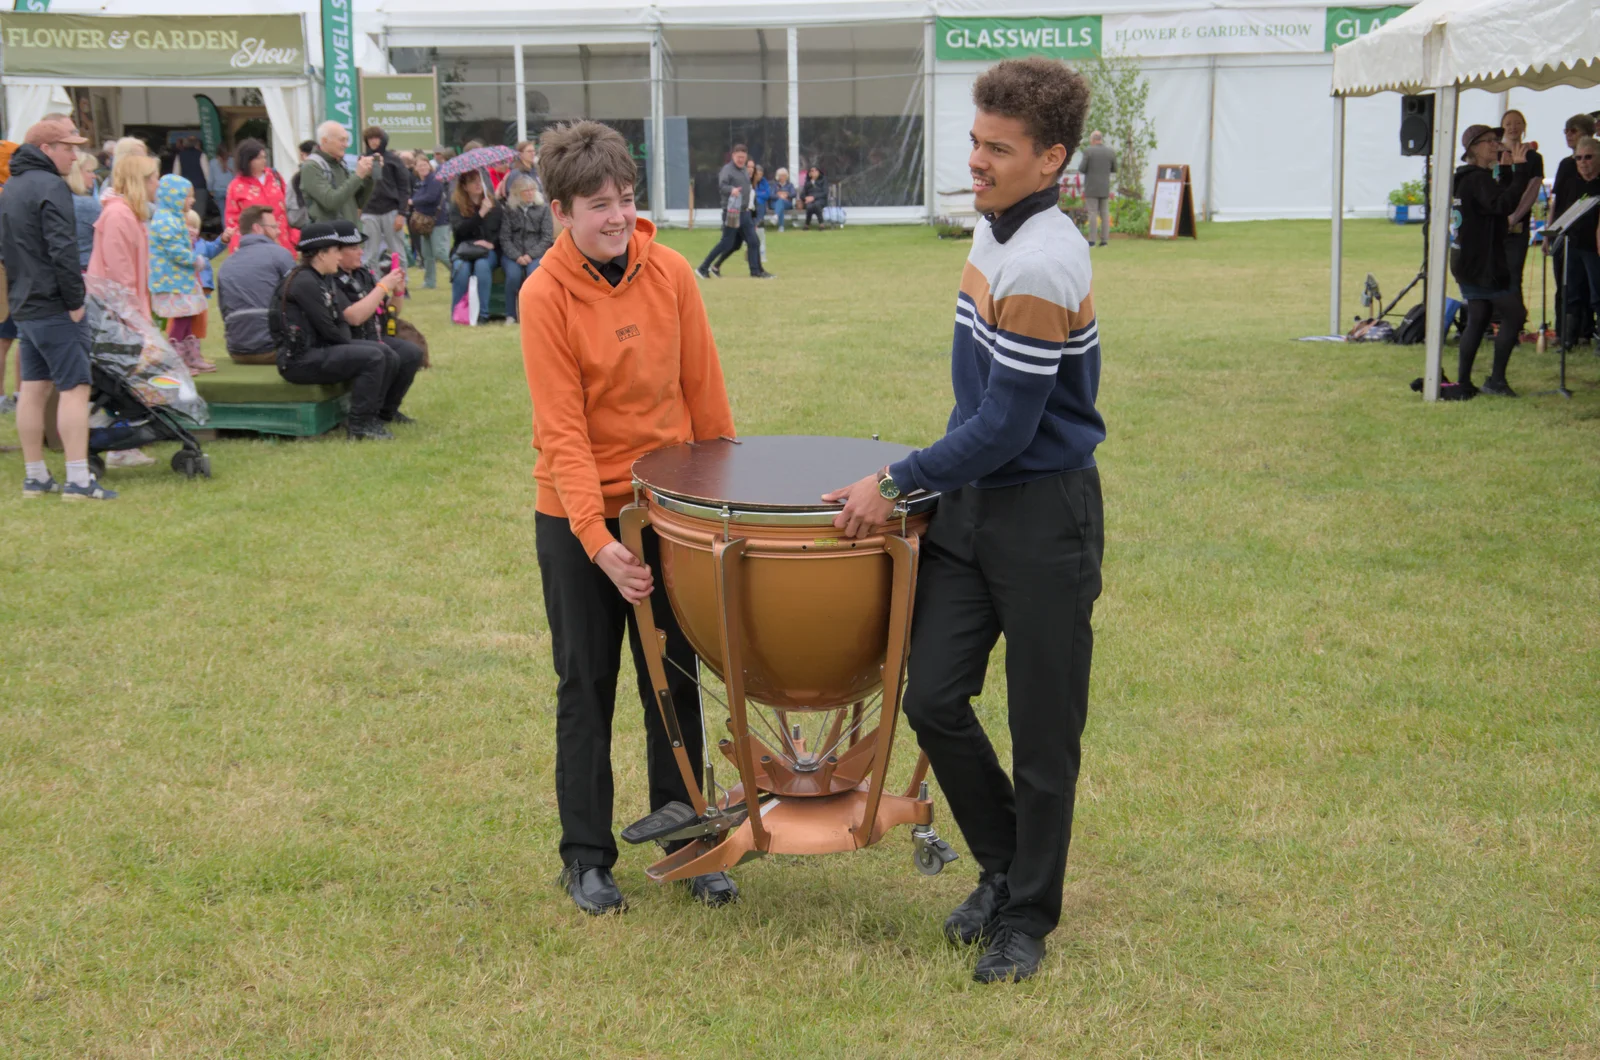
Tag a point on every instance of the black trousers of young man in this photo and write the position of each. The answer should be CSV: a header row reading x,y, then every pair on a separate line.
x,y
1024,561
587,617
730,240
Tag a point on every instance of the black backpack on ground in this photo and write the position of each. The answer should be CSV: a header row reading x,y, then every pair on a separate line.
x,y
1413,328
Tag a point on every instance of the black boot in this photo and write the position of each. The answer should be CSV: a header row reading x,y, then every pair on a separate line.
x,y
974,919
593,889
366,428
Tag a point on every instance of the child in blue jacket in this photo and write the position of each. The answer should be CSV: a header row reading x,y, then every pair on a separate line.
x,y
175,292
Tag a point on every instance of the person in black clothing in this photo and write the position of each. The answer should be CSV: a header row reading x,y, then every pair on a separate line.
x,y
1480,203
814,195
1517,225
383,216
190,164
1582,264
367,308
1566,190
314,305
475,219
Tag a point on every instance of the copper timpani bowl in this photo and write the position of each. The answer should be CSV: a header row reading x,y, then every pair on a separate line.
x,y
814,604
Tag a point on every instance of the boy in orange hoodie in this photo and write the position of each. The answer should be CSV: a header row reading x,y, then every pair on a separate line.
x,y
620,362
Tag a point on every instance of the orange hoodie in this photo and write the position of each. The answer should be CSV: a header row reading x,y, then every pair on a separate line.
x,y
614,373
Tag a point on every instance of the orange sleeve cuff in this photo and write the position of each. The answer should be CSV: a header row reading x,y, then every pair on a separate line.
x,y
593,537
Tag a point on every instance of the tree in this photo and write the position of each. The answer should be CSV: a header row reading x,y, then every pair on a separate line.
x,y
1117,108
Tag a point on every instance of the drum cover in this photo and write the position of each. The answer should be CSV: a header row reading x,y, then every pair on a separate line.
x,y
765,472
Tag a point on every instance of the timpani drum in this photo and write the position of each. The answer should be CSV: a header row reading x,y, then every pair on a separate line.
x,y
808,631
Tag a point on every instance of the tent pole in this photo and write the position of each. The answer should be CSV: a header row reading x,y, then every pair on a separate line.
x,y
793,47
658,134
1444,141
519,74
1210,201
929,51
1335,324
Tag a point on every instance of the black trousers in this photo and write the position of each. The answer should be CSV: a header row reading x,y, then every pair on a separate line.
x,y
1024,561
730,240
587,617
379,374
1511,314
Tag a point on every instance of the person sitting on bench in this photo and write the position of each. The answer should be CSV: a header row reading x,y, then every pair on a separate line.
x,y
315,343
245,283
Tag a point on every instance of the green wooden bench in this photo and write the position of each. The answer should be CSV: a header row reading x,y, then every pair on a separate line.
x,y
254,397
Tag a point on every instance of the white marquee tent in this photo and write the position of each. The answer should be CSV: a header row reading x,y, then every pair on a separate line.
x,y
1446,47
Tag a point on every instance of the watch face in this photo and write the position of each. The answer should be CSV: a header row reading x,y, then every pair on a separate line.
x,y
887,489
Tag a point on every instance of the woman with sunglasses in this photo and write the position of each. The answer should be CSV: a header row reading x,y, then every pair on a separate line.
x,y
1483,195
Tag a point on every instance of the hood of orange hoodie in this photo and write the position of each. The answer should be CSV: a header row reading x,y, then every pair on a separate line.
x,y
566,263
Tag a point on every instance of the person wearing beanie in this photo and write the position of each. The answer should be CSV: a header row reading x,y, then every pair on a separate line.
x,y
316,345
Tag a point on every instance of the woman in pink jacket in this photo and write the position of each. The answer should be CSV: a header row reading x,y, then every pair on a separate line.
x,y
121,245
257,184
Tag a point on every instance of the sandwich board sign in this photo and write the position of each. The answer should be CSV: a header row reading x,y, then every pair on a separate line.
x,y
1172,207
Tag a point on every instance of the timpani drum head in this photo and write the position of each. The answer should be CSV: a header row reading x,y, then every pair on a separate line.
x,y
775,473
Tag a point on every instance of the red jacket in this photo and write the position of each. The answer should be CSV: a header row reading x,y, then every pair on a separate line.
x,y
245,191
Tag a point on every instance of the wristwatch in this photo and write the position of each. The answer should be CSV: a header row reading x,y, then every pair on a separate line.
x,y
886,486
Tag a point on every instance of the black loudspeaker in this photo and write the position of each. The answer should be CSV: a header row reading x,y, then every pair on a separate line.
x,y
1416,125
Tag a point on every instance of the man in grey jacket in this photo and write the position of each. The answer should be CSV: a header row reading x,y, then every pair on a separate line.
x,y
735,179
245,284
1097,165
329,189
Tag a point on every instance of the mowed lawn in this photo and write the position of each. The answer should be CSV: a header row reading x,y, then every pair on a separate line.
x,y
276,749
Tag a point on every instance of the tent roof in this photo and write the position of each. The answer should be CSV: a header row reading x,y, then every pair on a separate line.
x,y
1489,44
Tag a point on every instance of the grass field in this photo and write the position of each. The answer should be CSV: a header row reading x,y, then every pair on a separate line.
x,y
276,749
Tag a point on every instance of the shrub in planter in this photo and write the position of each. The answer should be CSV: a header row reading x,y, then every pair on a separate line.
x,y
950,228
1130,217
1074,208
1411,193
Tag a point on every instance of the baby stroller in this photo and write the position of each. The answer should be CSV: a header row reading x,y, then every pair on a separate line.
x,y
140,390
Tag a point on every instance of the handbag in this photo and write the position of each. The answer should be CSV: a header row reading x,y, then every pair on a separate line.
x,y
422,225
470,252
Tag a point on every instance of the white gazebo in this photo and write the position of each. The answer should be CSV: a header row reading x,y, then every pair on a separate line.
x,y
1444,46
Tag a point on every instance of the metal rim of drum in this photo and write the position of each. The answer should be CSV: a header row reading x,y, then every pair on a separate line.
x,y
915,505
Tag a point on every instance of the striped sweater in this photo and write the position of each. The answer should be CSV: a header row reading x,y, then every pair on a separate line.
x,y
1025,359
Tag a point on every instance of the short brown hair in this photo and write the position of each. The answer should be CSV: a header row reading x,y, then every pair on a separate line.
x,y
1583,123
578,159
1047,96
251,216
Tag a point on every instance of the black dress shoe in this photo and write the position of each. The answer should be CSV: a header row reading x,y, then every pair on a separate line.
x,y
974,918
1012,956
1497,387
714,889
592,889
398,417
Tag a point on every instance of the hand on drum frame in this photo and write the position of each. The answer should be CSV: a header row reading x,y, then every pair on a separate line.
x,y
864,507
627,572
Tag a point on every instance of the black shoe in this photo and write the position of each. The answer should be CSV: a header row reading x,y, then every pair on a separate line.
x,y
1102,243
1498,387
368,428
763,275
716,270
975,918
703,273
398,417
592,889
714,889
1012,956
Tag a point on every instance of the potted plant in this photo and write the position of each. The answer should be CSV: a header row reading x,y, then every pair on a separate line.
x,y
1405,204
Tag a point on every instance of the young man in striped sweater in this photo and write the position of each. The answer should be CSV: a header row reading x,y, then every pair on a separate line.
x,y
1017,538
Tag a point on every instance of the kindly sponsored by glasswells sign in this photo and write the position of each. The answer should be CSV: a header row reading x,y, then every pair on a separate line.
x,y
152,45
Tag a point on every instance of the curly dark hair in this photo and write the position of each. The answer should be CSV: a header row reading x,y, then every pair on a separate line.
x,y
1047,96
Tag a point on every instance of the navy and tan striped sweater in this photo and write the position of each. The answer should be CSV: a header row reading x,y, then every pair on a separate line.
x,y
1025,359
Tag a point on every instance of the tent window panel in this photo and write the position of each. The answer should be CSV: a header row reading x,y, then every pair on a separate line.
x,y
732,87
861,112
477,90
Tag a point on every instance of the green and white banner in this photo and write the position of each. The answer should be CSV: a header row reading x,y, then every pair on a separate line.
x,y
1077,37
339,82
1345,24
1216,31
210,125
119,46
406,106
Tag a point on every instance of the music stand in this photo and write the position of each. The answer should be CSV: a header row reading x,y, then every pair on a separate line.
x,y
1561,226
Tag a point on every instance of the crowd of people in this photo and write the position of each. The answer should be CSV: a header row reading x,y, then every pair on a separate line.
x,y
1493,194
750,200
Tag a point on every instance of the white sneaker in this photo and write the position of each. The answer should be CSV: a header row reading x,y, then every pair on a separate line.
x,y
128,458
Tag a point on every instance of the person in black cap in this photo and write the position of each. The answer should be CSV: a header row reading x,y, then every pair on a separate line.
x,y
1483,196
367,308
317,345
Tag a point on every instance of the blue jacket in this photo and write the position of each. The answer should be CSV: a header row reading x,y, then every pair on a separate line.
x,y
173,259
208,248
86,208
763,193
427,198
